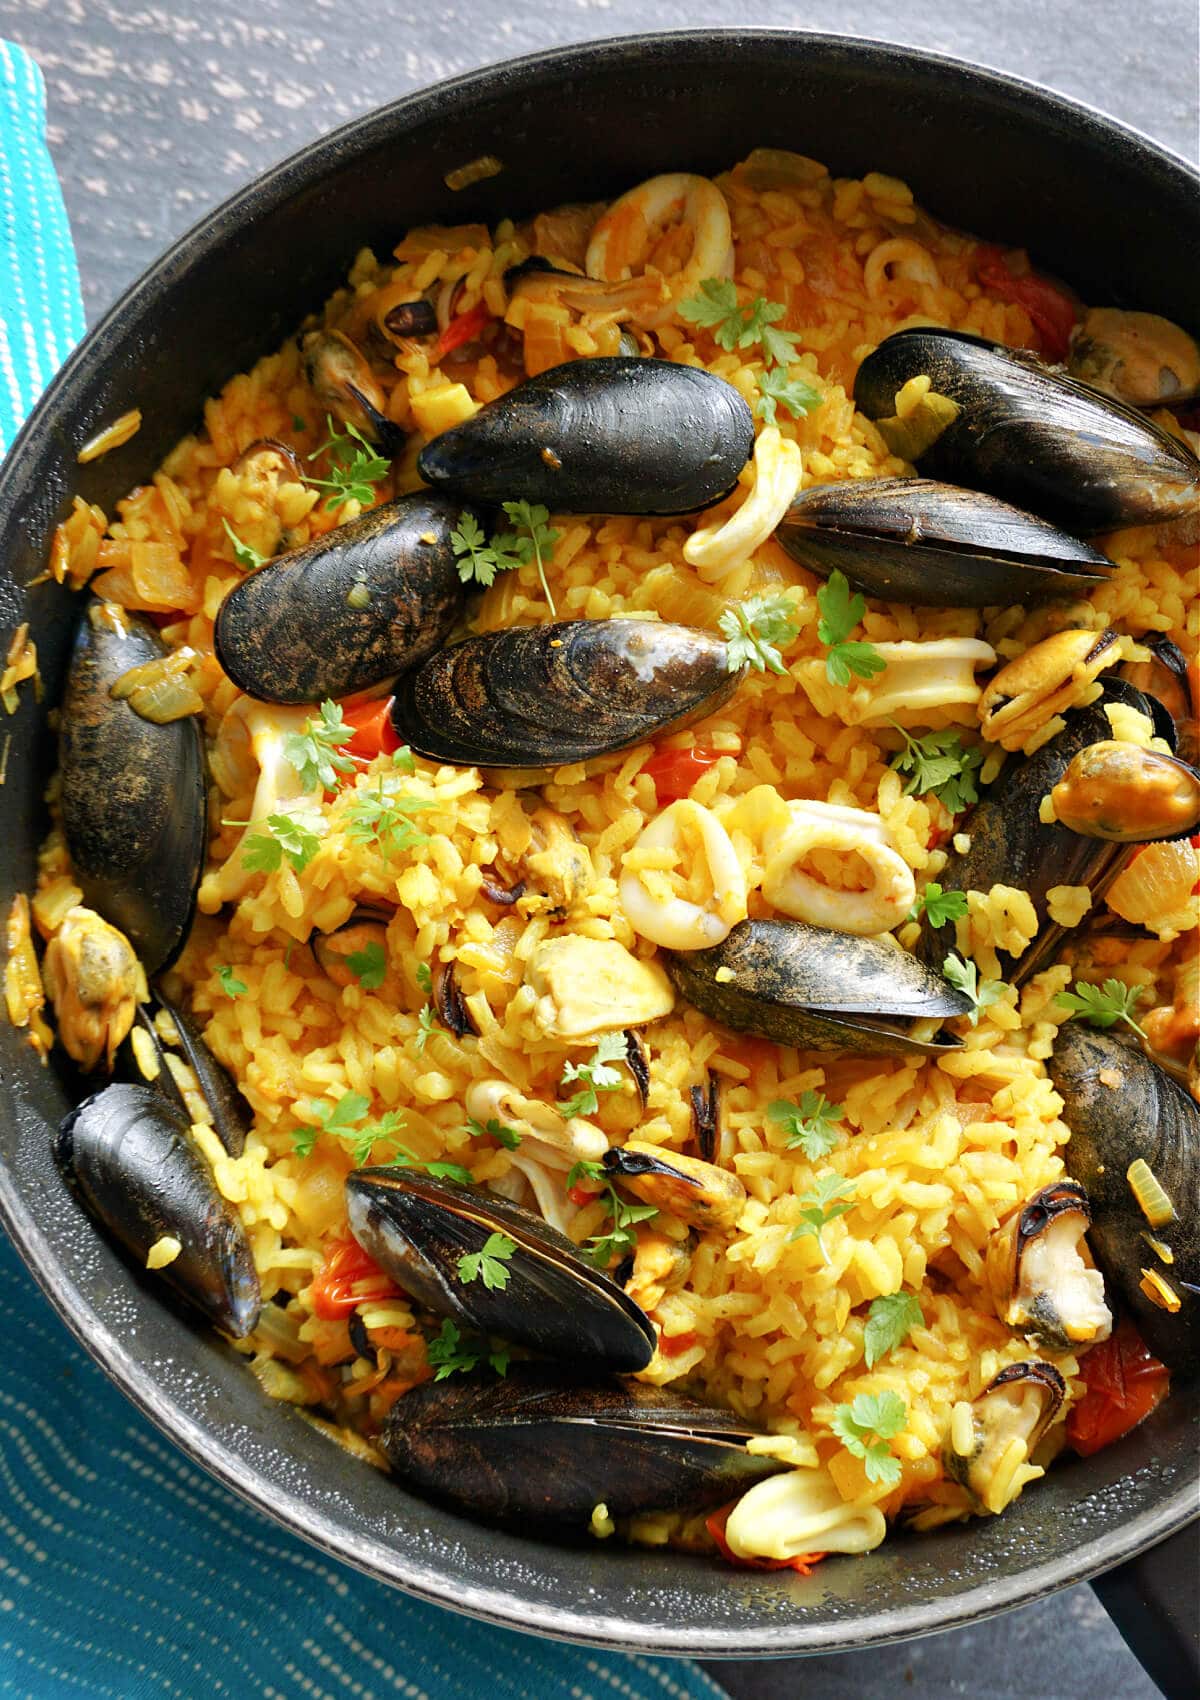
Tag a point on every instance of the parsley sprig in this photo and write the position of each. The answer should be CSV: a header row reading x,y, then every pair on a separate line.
x,y
1104,1006
263,852
840,613
776,389
230,984
890,1320
354,468
531,539
368,965
964,976
453,1353
811,1124
489,1264
939,906
716,308
317,753
595,1076
620,1238
940,763
504,1135
829,1197
384,817
247,558
865,1426
755,630
337,1118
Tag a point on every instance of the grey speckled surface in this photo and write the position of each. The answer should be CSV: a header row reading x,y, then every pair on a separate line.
x,y
160,108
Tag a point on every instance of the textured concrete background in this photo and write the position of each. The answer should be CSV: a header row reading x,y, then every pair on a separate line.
x,y
160,108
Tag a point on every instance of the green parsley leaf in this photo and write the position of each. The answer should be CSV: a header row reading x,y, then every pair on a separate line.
x,y
425,1026
230,984
620,1238
533,539
840,613
304,1139
316,753
964,976
354,468
337,1118
477,559
497,1130
596,1076
890,1320
940,906
864,1428
369,966
1103,1006
489,1264
754,629
385,818
248,559
263,852
299,424
829,1197
716,308
939,763
775,388
375,1133
404,760
453,1353
810,1124
424,976
585,1171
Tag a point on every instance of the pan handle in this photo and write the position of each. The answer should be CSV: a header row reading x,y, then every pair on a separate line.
x,y
1154,1600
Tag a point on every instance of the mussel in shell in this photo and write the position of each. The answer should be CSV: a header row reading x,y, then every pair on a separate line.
x,y
1140,358
133,796
818,990
542,696
1031,435
619,436
1018,1405
1036,1275
417,1228
144,1059
1123,1109
349,609
1128,794
543,1447
917,541
345,386
135,1165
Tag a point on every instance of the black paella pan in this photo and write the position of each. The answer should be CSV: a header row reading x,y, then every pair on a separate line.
x,y
1095,203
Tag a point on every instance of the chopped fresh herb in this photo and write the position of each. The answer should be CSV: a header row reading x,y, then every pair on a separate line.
x,y
620,1238
316,753
385,817
828,1198
490,1264
840,613
452,1353
964,976
424,976
450,1172
230,984
810,1124
716,308
754,630
597,1076
404,760
263,852
864,1428
890,1320
367,1138
354,468
1103,1006
532,539
341,1117
939,763
248,559
939,906
369,966
425,1025
497,1130
298,424
477,559
303,1140
775,388
585,1171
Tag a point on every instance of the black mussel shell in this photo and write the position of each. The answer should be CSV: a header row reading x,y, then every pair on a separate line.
x,y
349,609
542,1448
1012,845
913,540
137,1169
1032,435
417,1227
818,990
541,696
133,793
610,436
1121,1106
231,1114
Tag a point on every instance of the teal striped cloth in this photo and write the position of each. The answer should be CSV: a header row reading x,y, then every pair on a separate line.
x,y
124,1571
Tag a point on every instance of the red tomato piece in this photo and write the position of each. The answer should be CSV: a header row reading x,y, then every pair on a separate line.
x,y
672,1345
464,328
346,1266
674,772
374,733
1050,309
803,1562
582,1195
1125,1382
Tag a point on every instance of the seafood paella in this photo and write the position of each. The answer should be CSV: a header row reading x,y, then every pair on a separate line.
x,y
623,881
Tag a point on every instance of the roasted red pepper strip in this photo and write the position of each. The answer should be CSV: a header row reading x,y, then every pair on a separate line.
x,y
1124,1384
346,1268
373,731
674,772
1051,310
464,328
803,1561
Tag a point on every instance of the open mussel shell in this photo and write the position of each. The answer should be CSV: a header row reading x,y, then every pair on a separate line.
x,y
1120,1106
347,610
133,796
1033,436
610,436
1128,794
542,696
542,1448
417,1228
145,1062
135,1165
818,990
1011,845
914,540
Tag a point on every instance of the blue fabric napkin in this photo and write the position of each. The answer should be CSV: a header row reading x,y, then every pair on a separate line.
x,y
124,1571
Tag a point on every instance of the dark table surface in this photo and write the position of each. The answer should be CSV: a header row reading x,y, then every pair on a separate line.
x,y
160,110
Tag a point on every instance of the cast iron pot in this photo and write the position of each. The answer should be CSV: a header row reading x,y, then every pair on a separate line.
x,y
1094,202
